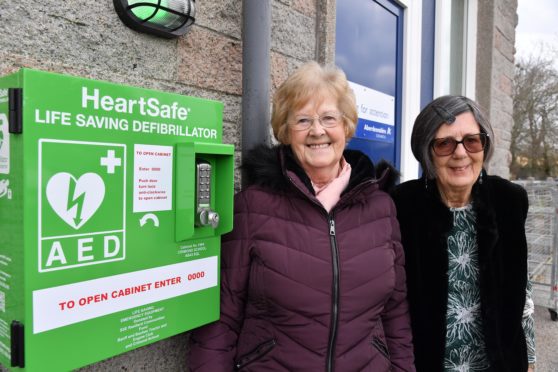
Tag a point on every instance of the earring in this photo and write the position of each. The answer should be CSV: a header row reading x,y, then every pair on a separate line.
x,y
426,183
480,179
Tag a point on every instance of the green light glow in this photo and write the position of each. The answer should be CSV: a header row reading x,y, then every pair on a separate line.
x,y
145,11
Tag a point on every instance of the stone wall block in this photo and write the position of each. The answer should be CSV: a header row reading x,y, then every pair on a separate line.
x,y
286,2
505,22
507,8
504,45
231,134
224,16
211,60
279,70
293,33
505,84
306,7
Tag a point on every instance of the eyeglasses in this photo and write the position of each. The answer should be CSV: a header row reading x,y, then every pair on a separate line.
x,y
328,119
472,142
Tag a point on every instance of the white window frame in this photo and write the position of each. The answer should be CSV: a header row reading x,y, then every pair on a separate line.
x,y
411,84
442,44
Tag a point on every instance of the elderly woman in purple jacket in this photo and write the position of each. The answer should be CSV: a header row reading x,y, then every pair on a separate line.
x,y
312,275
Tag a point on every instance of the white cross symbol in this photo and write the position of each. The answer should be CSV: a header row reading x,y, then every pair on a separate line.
x,y
110,162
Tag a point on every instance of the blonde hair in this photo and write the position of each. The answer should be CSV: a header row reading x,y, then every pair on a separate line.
x,y
312,81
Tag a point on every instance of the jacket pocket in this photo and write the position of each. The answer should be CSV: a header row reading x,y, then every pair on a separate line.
x,y
381,346
255,354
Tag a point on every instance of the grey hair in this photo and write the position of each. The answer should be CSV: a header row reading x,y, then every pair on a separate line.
x,y
443,110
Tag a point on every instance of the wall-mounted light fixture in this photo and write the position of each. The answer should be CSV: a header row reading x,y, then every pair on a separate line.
x,y
166,18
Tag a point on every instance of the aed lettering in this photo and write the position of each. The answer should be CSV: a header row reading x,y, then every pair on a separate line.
x,y
74,251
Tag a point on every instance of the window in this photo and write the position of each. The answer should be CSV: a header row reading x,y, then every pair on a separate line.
x,y
455,47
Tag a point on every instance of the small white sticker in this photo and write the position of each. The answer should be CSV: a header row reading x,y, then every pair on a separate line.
x,y
152,178
4,145
5,190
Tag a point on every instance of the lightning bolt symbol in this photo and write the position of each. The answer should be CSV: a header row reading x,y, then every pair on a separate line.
x,y
75,201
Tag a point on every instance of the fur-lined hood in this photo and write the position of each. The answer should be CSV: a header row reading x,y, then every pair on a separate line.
x,y
267,166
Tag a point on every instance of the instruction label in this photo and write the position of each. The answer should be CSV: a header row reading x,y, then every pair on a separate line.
x,y
68,304
152,178
143,325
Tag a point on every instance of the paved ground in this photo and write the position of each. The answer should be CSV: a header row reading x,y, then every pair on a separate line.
x,y
546,338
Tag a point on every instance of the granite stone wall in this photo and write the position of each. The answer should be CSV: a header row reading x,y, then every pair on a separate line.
x,y
495,67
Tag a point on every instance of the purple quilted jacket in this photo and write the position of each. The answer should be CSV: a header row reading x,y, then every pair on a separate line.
x,y
307,290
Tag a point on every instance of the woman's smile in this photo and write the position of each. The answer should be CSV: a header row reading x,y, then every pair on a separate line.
x,y
458,171
319,146
318,149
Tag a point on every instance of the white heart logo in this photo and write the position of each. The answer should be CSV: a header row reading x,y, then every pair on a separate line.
x,y
75,201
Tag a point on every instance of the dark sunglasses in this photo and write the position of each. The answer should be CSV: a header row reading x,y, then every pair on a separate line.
x,y
447,145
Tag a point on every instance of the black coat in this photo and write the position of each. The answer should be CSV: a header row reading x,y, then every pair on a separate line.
x,y
501,209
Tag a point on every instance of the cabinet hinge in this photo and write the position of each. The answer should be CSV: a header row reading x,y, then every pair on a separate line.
x,y
15,116
17,344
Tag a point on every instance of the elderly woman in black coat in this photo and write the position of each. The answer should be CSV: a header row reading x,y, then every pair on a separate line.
x,y
463,232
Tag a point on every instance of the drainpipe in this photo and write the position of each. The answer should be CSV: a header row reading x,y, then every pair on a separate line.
x,y
256,60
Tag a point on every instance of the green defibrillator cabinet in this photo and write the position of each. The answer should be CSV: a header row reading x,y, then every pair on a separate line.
x,y
113,200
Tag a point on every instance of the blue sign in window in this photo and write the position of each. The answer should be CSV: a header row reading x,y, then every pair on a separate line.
x,y
369,39
373,130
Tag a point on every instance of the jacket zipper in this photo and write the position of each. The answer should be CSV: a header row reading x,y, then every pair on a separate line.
x,y
381,347
335,269
260,351
335,295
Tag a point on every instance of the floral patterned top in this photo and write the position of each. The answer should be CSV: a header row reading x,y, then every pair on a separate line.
x,y
465,349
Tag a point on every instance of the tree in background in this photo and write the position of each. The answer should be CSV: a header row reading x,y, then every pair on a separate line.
x,y
534,137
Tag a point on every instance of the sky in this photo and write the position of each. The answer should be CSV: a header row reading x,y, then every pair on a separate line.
x,y
537,29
